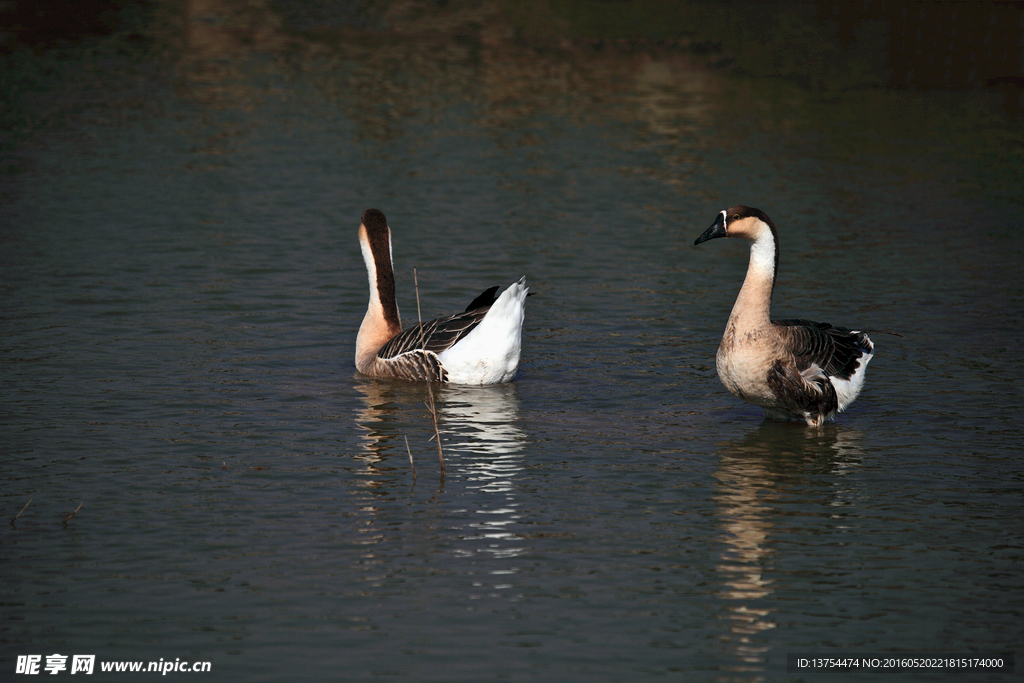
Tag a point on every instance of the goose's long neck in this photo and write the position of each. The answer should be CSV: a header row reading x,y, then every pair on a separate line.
x,y
753,304
381,321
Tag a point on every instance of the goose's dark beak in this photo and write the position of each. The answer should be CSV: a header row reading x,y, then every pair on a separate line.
x,y
717,229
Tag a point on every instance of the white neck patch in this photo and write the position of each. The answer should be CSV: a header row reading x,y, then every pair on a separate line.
x,y
762,251
371,267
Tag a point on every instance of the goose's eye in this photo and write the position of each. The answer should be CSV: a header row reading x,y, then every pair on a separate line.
x,y
735,216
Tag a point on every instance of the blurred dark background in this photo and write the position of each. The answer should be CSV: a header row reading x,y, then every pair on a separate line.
x,y
824,44
938,44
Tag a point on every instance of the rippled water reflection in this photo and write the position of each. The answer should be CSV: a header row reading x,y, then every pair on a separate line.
x,y
182,286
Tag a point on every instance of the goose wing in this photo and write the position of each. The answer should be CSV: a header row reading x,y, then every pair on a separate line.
x,y
435,335
413,353
806,392
415,365
835,350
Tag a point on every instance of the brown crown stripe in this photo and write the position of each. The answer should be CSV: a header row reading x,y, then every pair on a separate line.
x,y
377,233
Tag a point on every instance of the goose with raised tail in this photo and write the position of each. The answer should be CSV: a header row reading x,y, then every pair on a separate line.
x,y
790,368
478,346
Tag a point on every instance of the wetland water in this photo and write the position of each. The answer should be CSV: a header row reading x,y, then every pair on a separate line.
x,y
182,287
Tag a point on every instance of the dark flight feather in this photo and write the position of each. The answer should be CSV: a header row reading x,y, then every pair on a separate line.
x,y
485,300
836,350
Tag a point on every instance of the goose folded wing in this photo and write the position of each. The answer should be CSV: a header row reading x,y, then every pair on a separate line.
x,y
836,350
434,336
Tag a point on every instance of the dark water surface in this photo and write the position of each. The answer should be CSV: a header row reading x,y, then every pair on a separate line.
x,y
182,285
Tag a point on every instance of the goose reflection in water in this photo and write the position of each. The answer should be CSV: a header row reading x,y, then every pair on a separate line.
x,y
483,449
486,445
391,413
749,493
472,420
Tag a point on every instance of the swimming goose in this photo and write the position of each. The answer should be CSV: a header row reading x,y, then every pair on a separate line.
x,y
791,368
478,346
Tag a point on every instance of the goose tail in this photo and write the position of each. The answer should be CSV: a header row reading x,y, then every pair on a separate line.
x,y
490,353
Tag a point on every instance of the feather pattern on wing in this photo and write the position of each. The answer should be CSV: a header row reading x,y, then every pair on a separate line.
x,y
416,365
413,353
836,351
435,335
806,392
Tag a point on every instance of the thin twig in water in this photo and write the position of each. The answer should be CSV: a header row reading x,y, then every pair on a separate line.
x,y
419,315
432,407
411,463
73,513
437,432
22,510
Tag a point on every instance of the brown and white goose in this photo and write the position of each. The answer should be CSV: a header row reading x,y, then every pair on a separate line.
x,y
478,346
791,368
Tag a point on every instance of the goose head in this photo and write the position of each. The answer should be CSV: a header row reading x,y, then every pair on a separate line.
x,y
375,237
753,225
375,242
738,221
